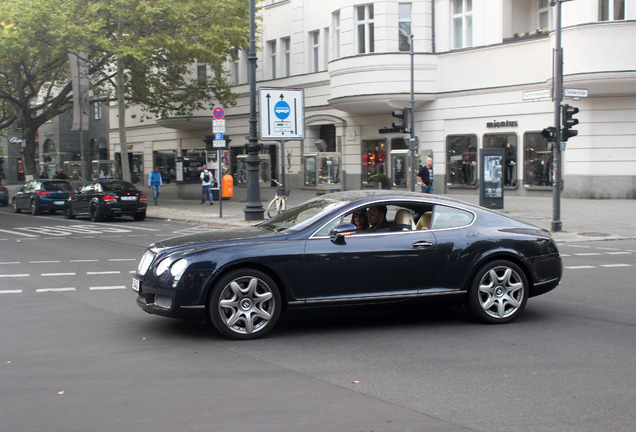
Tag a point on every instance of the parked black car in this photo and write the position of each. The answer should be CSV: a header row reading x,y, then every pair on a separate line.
x,y
39,195
438,251
4,196
104,199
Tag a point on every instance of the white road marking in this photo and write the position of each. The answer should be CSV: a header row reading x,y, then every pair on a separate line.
x,y
83,260
103,272
10,291
57,274
616,265
9,262
588,254
619,253
122,259
579,267
101,288
44,262
18,233
14,275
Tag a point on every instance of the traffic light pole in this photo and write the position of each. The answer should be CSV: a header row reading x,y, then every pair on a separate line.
x,y
412,119
558,98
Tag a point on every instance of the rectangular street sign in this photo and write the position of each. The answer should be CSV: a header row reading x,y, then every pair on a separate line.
x,y
575,93
218,143
218,126
536,94
282,113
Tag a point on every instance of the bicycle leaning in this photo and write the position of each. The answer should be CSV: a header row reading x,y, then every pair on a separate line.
x,y
279,203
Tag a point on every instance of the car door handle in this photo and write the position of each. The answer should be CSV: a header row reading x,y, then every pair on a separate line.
x,y
422,245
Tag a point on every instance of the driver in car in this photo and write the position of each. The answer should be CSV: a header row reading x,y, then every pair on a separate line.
x,y
377,219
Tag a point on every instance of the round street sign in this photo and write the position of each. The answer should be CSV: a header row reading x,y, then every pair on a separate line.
x,y
282,110
218,113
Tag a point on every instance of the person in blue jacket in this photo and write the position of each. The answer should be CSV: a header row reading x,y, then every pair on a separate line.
x,y
155,182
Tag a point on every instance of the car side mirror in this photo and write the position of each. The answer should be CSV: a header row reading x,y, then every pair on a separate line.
x,y
338,234
20,189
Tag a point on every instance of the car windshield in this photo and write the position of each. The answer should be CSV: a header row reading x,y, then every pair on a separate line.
x,y
56,186
117,186
303,215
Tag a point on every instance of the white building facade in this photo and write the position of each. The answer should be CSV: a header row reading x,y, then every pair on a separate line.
x,y
482,79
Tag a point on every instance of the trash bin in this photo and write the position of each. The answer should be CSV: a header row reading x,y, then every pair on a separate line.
x,y
227,186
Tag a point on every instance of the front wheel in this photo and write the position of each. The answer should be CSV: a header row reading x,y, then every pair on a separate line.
x,y
16,209
68,212
499,292
245,304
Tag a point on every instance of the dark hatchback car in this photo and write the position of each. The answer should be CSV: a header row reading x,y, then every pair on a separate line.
x,y
312,256
105,199
4,196
41,195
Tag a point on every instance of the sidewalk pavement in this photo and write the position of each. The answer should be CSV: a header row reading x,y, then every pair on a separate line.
x,y
582,219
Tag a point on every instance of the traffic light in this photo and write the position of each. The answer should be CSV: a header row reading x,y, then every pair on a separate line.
x,y
402,125
567,121
549,133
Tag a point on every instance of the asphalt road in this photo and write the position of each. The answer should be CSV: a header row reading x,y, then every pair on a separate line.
x,y
77,354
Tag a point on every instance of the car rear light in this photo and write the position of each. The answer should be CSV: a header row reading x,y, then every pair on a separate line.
x,y
110,198
43,193
142,197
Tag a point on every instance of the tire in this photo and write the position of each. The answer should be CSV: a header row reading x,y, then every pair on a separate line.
x,y
244,304
35,210
498,293
16,209
139,216
272,208
68,212
95,213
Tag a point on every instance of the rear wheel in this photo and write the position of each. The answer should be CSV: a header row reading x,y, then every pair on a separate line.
x,y
499,292
95,212
273,208
35,210
139,216
245,304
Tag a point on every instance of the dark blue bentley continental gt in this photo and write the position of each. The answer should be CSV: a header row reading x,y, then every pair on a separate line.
x,y
428,249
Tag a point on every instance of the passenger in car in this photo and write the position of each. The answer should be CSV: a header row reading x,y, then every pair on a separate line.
x,y
377,219
359,219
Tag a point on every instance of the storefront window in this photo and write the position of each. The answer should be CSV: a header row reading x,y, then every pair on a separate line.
x,y
373,159
507,142
537,161
461,160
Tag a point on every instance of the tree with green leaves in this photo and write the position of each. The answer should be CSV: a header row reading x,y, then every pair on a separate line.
x,y
155,43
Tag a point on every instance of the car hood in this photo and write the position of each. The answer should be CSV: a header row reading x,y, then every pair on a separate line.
x,y
219,237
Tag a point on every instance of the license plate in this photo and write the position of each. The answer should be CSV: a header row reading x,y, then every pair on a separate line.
x,y
129,198
58,202
136,285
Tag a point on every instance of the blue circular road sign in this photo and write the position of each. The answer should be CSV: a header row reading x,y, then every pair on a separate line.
x,y
282,110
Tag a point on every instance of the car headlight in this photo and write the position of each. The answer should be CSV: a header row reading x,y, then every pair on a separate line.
x,y
176,267
145,262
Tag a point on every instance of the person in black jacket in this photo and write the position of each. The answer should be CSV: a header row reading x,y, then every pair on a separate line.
x,y
425,177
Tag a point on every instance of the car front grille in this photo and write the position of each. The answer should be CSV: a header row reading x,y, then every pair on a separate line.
x,y
163,302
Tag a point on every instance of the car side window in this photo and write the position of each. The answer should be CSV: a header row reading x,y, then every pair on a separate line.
x,y
450,217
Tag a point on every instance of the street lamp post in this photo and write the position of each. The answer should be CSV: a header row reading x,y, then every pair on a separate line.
x,y
412,140
253,208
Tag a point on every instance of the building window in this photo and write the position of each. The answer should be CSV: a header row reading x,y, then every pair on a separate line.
x,y
271,52
364,29
543,14
611,10
404,26
286,43
201,74
236,79
97,110
336,35
373,159
314,49
507,142
462,23
461,160
537,161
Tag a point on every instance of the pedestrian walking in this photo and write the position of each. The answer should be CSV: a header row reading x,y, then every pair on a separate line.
x,y
425,177
155,182
206,186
